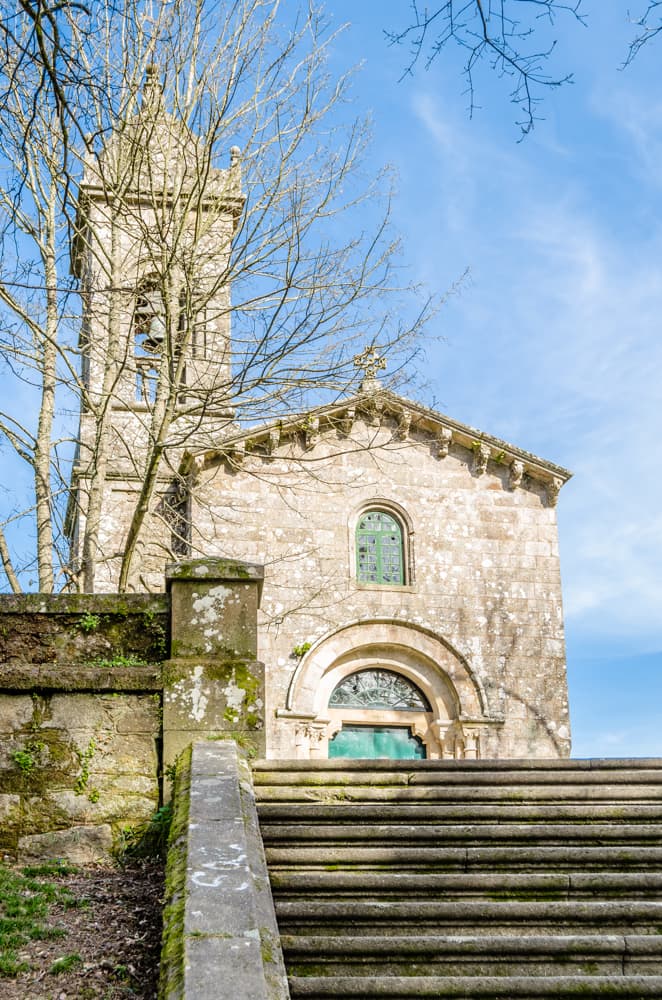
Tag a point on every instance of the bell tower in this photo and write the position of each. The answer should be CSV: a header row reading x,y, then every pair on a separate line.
x,y
155,223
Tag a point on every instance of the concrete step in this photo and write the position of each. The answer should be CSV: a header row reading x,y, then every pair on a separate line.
x,y
506,885
544,834
466,879
329,774
439,955
467,917
425,859
461,793
469,987
426,812
537,765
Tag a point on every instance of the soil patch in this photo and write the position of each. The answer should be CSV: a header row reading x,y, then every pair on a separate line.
x,y
107,923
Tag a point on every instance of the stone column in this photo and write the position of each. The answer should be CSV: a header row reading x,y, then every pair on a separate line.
x,y
213,684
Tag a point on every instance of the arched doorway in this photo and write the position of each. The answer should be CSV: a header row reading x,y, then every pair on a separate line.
x,y
453,724
378,713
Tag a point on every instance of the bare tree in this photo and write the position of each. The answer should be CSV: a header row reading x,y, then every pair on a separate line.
x,y
647,26
515,38
211,186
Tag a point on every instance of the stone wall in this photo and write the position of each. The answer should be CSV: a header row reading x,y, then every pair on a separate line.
x,y
80,721
83,679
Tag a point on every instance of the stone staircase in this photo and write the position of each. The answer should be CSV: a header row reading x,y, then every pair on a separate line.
x,y
496,879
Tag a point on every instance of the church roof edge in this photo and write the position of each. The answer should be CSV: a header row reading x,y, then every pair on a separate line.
x,y
408,414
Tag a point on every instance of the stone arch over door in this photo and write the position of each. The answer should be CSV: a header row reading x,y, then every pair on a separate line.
x,y
457,721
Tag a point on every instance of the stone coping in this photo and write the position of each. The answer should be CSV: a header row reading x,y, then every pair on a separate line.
x,y
73,677
220,931
117,605
213,568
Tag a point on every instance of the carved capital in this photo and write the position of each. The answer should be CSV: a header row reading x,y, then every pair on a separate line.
x,y
516,474
553,490
442,442
471,744
481,458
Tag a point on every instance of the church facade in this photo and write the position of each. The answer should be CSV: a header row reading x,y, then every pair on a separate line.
x,y
412,597
412,584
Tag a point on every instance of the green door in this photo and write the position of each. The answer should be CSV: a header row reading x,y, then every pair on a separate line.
x,y
395,742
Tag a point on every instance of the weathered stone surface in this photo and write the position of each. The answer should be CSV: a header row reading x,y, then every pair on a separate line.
x,y
211,696
219,919
77,760
79,844
38,628
79,677
214,608
236,963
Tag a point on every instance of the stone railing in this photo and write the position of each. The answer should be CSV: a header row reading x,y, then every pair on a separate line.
x,y
220,934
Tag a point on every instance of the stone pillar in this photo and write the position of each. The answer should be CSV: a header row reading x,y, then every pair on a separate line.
x,y
213,685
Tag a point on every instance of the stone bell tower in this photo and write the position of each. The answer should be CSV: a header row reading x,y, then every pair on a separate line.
x,y
155,222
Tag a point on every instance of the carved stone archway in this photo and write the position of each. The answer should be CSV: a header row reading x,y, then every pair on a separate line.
x,y
456,723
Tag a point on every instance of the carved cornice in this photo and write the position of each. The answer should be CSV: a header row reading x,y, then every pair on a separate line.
x,y
410,421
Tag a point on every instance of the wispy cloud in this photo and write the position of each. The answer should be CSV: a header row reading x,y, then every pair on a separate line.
x,y
569,364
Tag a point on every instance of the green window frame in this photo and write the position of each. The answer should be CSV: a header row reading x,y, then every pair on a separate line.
x,y
379,549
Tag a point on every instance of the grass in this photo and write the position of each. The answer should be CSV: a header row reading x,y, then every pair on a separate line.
x,y
65,963
25,903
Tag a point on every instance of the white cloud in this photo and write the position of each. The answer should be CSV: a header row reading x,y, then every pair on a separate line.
x,y
557,344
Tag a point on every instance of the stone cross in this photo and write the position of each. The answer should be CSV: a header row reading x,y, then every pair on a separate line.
x,y
371,362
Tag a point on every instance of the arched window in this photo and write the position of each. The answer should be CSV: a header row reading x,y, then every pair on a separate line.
x,y
378,713
150,341
148,337
376,689
379,549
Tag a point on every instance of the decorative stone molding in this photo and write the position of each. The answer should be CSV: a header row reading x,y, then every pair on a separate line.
x,y
311,739
471,744
553,490
404,424
481,458
237,454
373,408
516,474
196,468
311,432
273,440
442,442
373,405
346,422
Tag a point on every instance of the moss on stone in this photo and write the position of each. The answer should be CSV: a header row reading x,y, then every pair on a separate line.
x,y
172,943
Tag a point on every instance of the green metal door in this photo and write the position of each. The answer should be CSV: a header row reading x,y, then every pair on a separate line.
x,y
395,742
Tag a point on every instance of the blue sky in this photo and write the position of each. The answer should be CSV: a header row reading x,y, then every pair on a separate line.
x,y
555,341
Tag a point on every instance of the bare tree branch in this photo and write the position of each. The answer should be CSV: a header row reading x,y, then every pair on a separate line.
x,y
512,36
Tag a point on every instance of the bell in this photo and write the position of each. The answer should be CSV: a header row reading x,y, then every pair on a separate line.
x,y
155,334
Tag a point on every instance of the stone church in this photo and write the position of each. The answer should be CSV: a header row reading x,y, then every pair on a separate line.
x,y
411,604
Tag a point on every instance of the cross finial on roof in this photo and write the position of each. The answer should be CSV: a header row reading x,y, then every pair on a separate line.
x,y
371,362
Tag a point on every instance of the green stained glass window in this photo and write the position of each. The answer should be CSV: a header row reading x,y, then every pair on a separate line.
x,y
379,550
378,689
